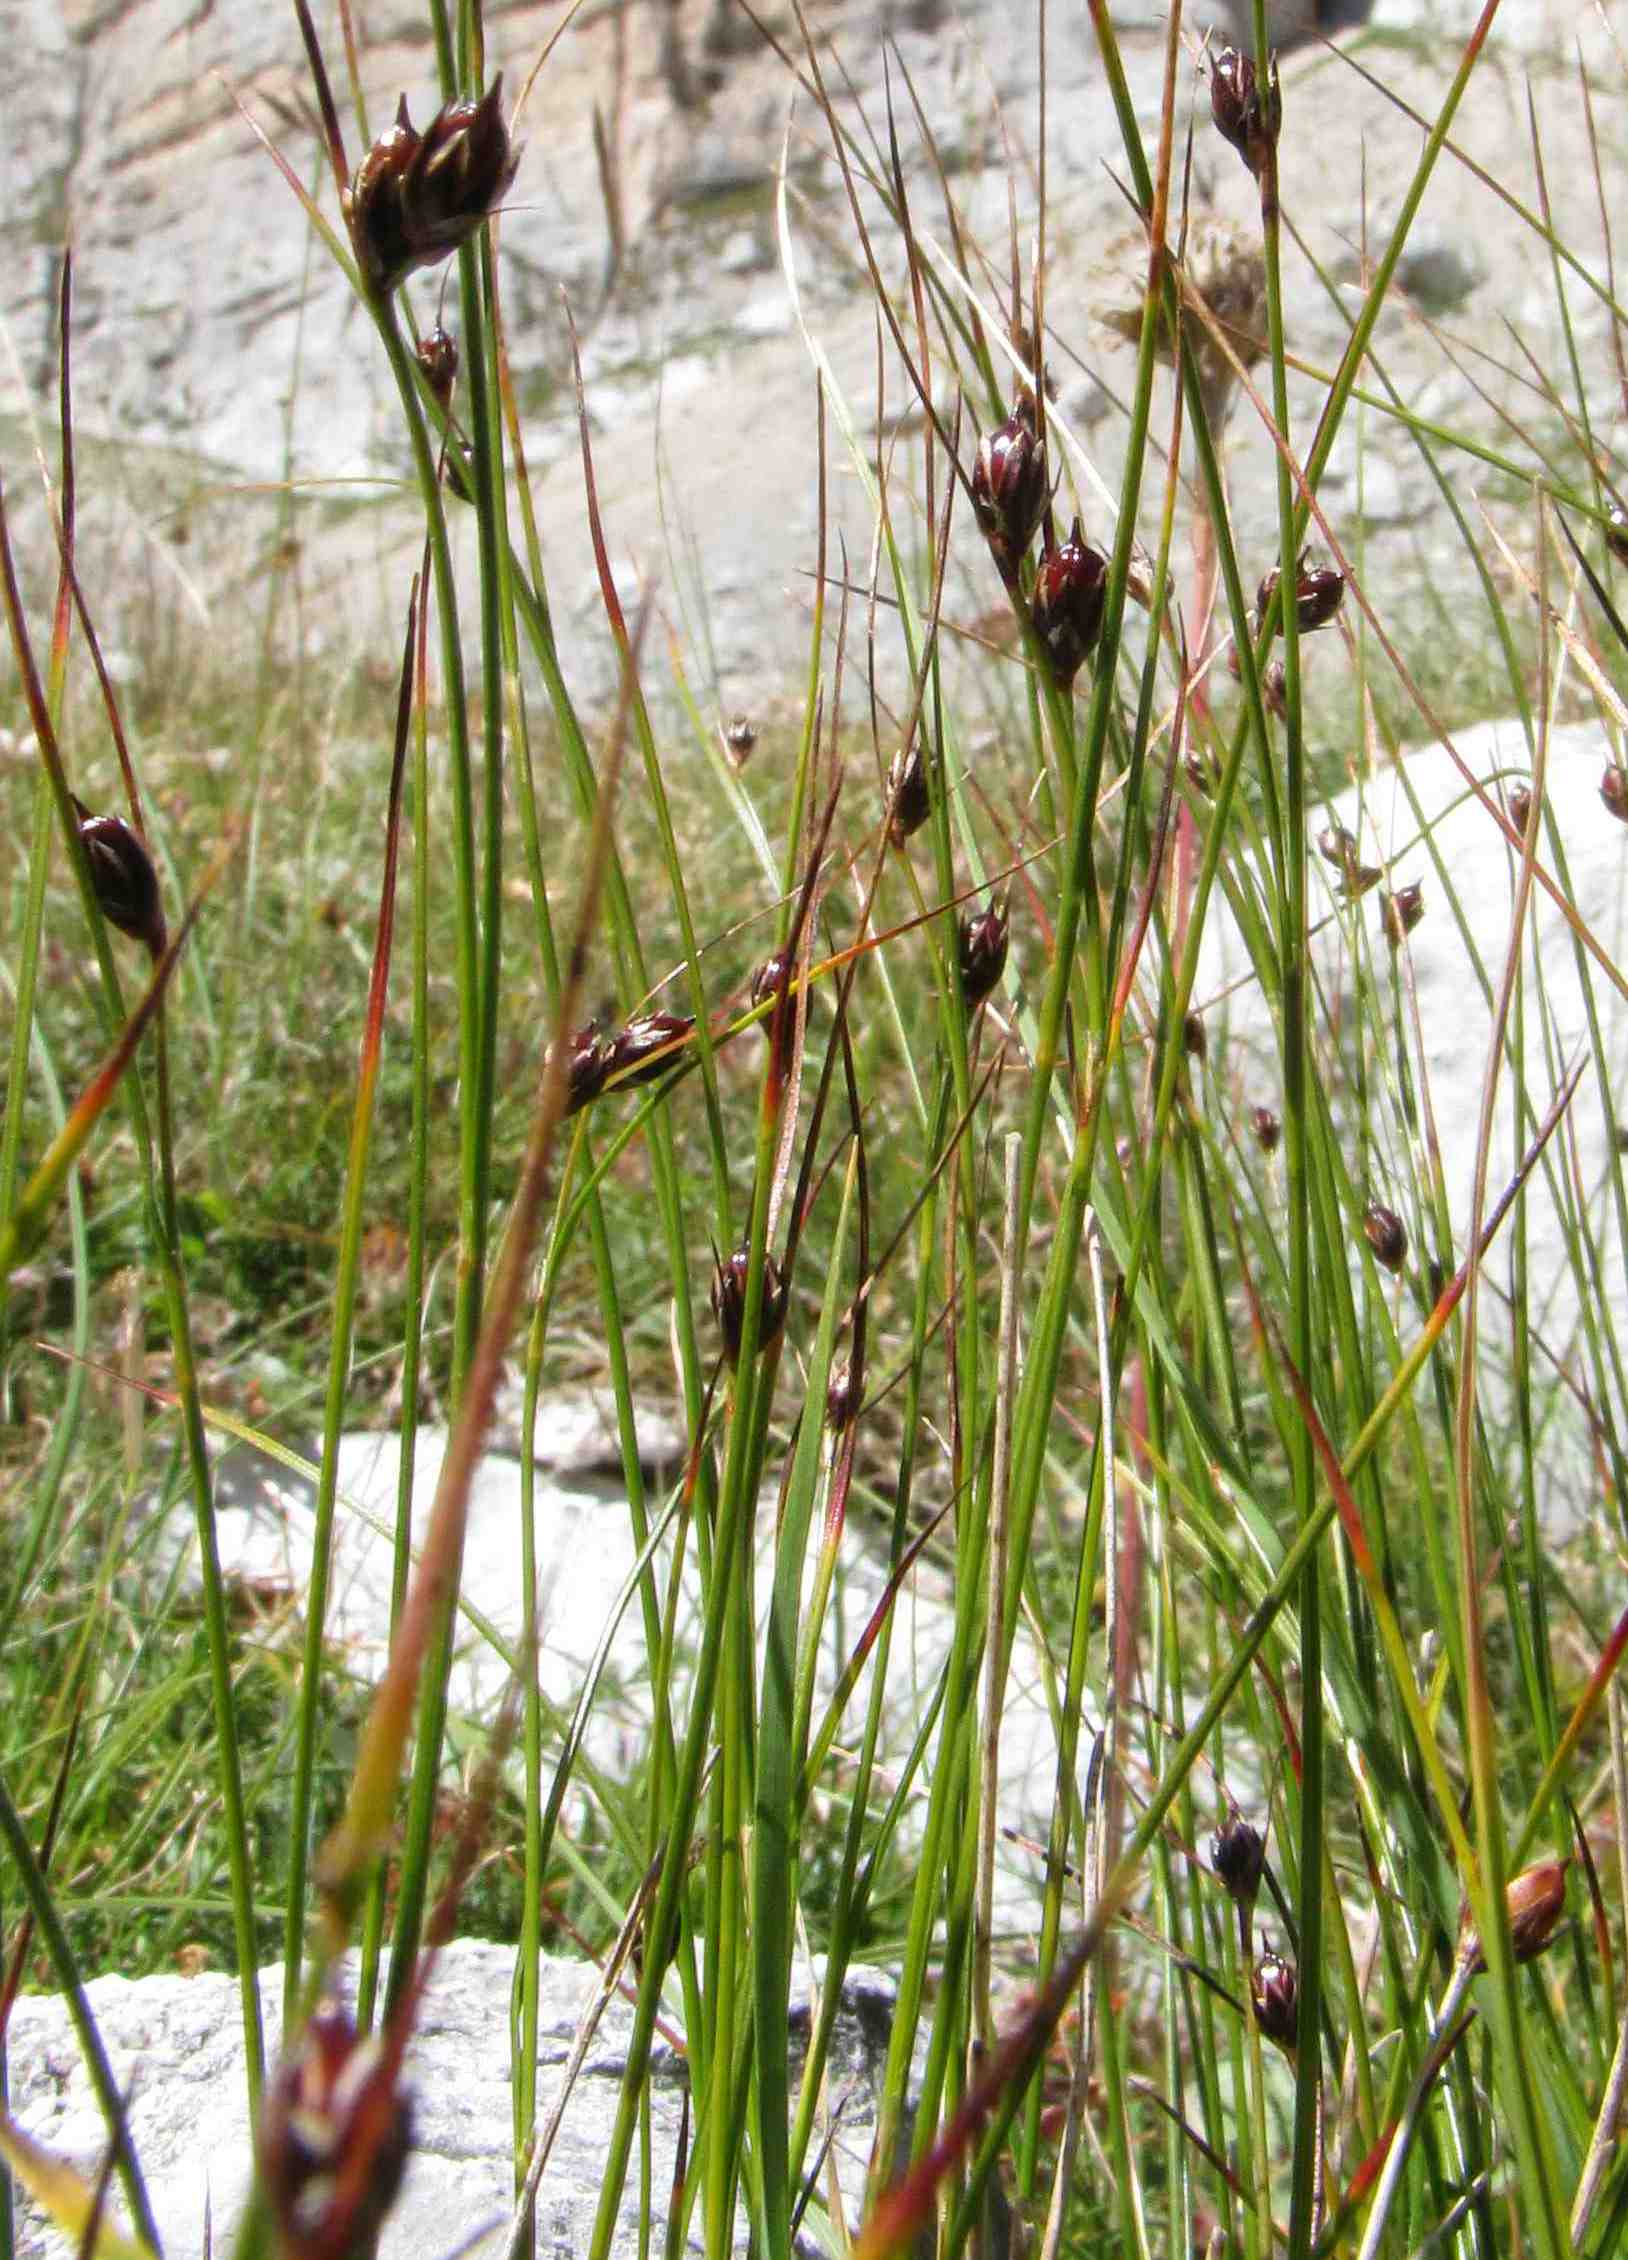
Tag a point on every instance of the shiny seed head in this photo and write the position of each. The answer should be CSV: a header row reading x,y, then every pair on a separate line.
x,y
981,953
1247,115
1536,1900
122,877
1386,1234
729,1302
1070,595
1401,912
909,796
437,356
1009,487
415,197
1274,1990
1238,1856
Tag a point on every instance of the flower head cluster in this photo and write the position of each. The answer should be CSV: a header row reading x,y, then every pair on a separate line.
x,y
416,197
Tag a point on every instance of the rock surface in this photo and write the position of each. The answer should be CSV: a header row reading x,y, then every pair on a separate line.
x,y
1422,823
220,354
175,2045
586,1558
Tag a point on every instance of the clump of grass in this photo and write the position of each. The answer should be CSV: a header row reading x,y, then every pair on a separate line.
x,y
882,1133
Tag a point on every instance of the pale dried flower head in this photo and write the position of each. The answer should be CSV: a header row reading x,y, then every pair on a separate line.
x,y
1223,268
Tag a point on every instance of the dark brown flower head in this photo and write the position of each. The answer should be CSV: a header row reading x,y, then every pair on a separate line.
x,y
1200,774
122,877
1274,1988
1009,489
1614,792
1195,1040
648,1045
1386,1234
587,1066
1536,1899
1616,532
1518,800
334,2136
1338,847
909,795
415,197
1267,1128
1275,688
766,984
982,953
842,1394
768,979
1319,593
1070,590
438,360
1245,114
1238,1856
740,737
729,1302
1401,912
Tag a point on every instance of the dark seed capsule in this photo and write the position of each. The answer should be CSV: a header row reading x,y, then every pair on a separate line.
x,y
334,2136
1401,912
1199,773
729,1302
648,1046
460,474
768,978
740,738
1536,1899
842,1394
1337,846
1245,114
586,1069
1358,881
415,197
982,953
438,359
1616,532
909,797
766,983
1009,488
1275,689
122,877
1070,590
1195,1041
1518,800
1238,1856
1274,1988
1386,1234
1267,1128
1614,792
1319,593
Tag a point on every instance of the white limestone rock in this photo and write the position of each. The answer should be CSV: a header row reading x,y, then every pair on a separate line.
x,y
585,1560
175,2045
1420,821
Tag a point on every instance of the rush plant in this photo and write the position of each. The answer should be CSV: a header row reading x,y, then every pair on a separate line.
x,y
893,1140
